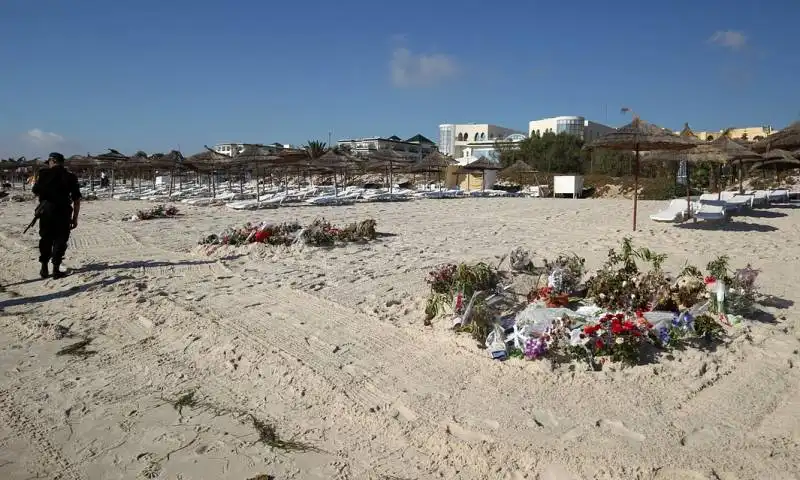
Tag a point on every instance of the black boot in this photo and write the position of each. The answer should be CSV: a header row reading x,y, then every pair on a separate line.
x,y
43,272
57,273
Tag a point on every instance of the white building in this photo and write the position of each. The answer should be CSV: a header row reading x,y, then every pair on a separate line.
x,y
229,149
416,146
474,139
574,125
232,149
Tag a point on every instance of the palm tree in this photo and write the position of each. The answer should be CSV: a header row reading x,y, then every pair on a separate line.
x,y
315,149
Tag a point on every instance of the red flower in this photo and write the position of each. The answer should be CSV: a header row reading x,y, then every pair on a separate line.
x,y
598,344
262,235
709,280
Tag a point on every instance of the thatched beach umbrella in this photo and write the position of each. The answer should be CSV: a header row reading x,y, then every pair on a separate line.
x,y
786,139
388,158
778,159
434,162
722,150
641,136
482,164
333,162
111,158
518,170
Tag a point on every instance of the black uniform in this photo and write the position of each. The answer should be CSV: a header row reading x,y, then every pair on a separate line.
x,y
57,188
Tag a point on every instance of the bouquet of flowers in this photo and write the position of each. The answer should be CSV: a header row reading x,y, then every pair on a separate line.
x,y
548,297
319,233
614,335
159,211
565,273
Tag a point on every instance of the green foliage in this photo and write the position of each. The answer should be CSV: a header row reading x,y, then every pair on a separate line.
x,y
620,284
315,148
547,153
718,268
449,279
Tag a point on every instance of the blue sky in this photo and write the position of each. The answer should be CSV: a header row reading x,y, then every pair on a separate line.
x,y
84,75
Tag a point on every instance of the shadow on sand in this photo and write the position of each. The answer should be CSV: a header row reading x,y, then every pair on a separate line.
x,y
13,302
731,226
142,264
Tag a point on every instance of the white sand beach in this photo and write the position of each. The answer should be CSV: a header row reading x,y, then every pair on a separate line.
x,y
329,346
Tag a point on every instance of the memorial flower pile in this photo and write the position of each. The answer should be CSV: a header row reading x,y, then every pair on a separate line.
x,y
159,211
319,233
628,312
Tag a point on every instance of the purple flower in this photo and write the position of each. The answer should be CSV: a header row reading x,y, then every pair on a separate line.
x,y
663,335
535,348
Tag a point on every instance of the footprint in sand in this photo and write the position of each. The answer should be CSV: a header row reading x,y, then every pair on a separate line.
x,y
680,475
400,411
700,437
555,472
462,433
618,428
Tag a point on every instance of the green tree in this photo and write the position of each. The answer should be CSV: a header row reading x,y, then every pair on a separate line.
x,y
315,148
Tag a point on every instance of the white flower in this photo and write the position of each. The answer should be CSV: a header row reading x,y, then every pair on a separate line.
x,y
620,341
624,284
633,296
602,296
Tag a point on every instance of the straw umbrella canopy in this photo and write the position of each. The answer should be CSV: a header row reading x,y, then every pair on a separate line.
x,y
332,162
80,162
516,170
779,159
433,162
642,136
781,162
786,139
388,158
482,164
721,150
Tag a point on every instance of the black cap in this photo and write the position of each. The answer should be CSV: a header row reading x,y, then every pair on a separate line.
x,y
57,157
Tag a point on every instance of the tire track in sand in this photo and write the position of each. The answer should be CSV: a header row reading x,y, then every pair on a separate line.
x,y
36,435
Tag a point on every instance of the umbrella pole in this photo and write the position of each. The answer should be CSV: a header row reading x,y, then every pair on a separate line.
x,y
741,176
688,193
171,181
635,187
335,185
113,182
391,181
258,187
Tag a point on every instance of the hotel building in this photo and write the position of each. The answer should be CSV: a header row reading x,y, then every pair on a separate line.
x,y
587,130
416,146
474,139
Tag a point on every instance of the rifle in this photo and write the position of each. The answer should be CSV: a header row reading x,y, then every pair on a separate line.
x,y
36,214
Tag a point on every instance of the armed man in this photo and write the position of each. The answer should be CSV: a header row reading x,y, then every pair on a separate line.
x,y
59,204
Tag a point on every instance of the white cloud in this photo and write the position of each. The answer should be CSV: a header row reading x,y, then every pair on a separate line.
x,y
420,70
728,39
40,137
38,143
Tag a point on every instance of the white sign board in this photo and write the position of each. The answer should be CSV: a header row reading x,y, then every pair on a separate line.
x,y
568,184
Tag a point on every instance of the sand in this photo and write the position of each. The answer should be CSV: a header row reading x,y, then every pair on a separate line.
x,y
329,347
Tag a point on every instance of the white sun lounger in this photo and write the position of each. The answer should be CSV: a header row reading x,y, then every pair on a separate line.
x,y
780,195
711,211
676,211
735,198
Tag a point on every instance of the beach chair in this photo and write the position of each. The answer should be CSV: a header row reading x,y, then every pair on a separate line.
x,y
676,211
779,195
711,210
760,197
